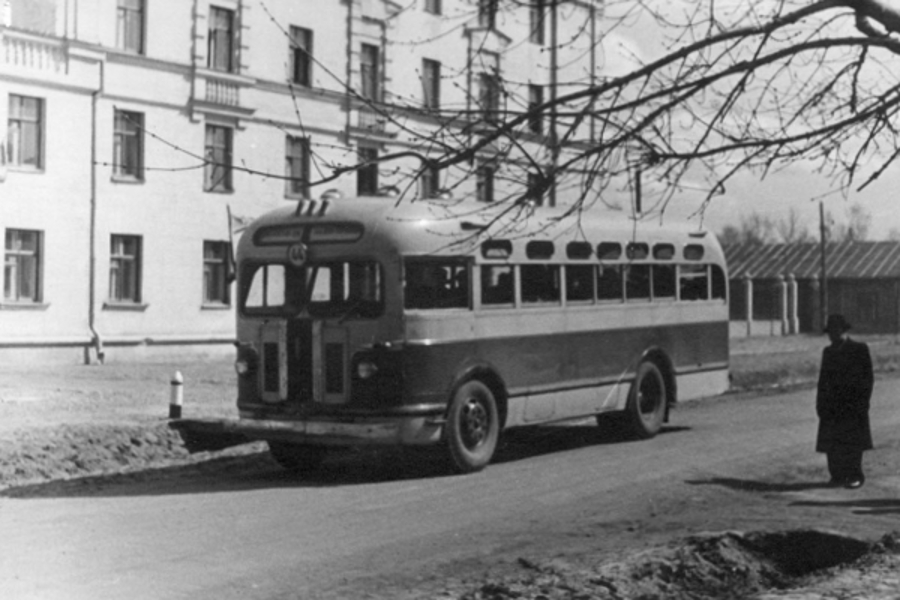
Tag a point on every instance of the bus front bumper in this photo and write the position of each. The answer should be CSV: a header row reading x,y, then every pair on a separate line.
x,y
216,434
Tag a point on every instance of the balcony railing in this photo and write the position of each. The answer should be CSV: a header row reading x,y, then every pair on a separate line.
x,y
25,51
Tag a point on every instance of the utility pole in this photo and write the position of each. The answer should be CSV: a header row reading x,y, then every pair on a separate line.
x,y
823,270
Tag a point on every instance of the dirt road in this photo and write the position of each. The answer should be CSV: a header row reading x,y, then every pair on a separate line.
x,y
390,526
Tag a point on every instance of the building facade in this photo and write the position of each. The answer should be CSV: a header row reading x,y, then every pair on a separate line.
x,y
137,135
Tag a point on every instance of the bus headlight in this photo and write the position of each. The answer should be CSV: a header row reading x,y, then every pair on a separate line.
x,y
366,369
242,367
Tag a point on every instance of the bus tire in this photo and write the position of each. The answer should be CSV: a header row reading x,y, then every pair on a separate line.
x,y
298,458
646,406
473,427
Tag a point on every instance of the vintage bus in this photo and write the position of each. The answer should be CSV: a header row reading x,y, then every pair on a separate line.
x,y
363,321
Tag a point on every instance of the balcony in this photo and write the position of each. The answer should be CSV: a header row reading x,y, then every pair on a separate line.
x,y
29,53
220,93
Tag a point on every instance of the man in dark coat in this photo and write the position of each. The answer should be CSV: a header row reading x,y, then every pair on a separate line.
x,y
842,404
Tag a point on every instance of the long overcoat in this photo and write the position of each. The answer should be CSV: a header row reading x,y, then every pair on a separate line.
x,y
842,401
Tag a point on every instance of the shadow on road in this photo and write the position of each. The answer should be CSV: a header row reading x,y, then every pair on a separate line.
x,y
750,485
875,506
347,467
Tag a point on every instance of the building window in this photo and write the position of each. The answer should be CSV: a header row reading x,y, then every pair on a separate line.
x,y
367,174
297,166
130,26
535,189
25,133
125,269
484,183
22,266
433,6
301,56
128,145
487,13
431,83
489,96
216,258
431,182
535,99
536,22
220,41
370,72
217,172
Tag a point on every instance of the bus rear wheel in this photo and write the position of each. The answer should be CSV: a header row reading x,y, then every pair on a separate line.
x,y
473,427
646,406
299,458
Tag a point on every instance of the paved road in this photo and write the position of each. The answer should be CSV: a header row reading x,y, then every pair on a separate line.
x,y
242,528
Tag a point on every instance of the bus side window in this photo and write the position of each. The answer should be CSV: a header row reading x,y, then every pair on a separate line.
x,y
664,281
719,284
693,282
540,283
637,282
609,282
579,283
497,284
431,284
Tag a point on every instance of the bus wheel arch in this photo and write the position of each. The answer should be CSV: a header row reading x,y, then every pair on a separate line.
x,y
473,422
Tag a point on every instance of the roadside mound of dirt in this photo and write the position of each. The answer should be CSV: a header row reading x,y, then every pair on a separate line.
x,y
807,564
34,456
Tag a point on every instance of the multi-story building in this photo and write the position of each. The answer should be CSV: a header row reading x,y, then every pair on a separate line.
x,y
137,134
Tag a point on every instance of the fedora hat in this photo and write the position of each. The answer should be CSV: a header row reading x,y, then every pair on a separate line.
x,y
836,323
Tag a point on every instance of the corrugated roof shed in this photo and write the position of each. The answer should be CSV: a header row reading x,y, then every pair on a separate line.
x,y
846,260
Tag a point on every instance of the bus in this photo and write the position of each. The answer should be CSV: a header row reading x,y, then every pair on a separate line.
x,y
364,321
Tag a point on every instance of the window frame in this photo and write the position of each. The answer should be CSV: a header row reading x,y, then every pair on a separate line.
x,y
431,84
434,7
218,155
216,266
17,260
487,14
485,175
130,26
535,99
301,56
221,43
536,28
370,87
128,145
430,182
367,176
125,270
297,159
22,127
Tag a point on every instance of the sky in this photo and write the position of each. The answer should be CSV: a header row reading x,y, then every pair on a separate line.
x,y
796,187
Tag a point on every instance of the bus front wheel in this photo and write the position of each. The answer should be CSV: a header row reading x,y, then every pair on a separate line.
x,y
298,458
646,406
473,427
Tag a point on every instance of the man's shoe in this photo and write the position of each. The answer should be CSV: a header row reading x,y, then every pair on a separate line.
x,y
853,484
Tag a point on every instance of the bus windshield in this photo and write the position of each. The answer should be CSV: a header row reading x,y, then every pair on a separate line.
x,y
339,289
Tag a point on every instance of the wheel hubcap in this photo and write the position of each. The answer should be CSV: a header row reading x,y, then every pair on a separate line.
x,y
474,423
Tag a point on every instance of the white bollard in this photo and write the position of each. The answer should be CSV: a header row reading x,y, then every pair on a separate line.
x,y
176,398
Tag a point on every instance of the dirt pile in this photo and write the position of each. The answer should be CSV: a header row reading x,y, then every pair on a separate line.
x,y
803,564
36,456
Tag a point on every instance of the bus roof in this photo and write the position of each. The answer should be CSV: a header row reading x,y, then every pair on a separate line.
x,y
462,227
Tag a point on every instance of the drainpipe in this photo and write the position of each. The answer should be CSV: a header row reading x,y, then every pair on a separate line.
x,y
554,141
96,340
348,87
